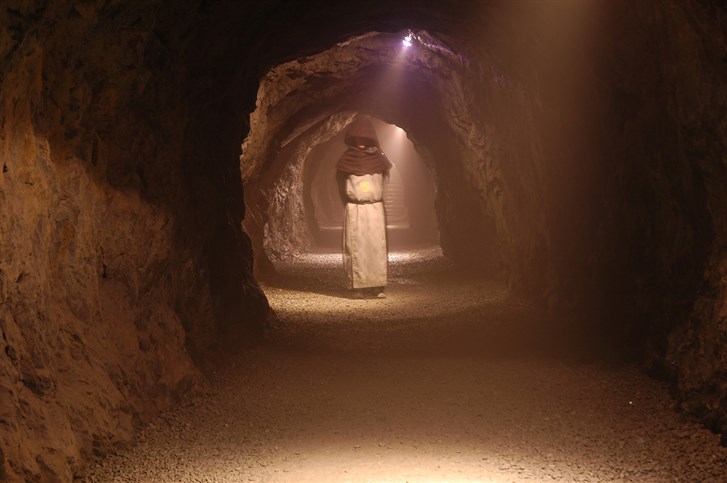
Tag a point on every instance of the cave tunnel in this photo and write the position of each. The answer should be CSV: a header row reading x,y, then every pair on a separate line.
x,y
172,300
306,212
408,197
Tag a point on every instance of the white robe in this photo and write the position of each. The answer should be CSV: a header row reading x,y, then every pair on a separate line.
x,y
364,232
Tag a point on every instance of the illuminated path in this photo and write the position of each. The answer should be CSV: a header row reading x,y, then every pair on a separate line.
x,y
448,379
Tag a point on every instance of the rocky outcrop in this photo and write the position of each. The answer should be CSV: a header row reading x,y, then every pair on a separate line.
x,y
287,232
108,300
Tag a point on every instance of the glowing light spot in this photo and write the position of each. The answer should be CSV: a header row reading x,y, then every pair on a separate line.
x,y
365,186
407,41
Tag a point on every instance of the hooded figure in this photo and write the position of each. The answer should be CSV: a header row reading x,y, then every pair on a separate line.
x,y
361,172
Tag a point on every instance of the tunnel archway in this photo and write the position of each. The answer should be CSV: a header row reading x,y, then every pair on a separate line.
x,y
408,197
420,88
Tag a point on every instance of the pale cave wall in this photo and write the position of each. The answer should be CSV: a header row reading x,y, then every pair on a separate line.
x,y
287,232
598,185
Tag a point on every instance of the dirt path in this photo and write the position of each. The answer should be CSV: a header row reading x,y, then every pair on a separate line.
x,y
448,379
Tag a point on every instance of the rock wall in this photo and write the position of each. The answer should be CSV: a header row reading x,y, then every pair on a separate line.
x,y
108,299
286,231
682,277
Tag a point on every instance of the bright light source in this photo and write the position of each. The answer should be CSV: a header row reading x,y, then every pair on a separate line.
x,y
407,41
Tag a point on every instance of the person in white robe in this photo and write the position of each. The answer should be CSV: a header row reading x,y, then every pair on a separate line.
x,y
362,172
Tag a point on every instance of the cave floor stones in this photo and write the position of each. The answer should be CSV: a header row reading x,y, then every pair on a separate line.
x,y
448,379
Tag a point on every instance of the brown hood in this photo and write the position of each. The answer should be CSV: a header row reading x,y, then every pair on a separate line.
x,y
361,131
362,161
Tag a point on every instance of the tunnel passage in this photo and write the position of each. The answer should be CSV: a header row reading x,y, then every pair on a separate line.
x,y
587,141
308,102
408,195
557,164
306,210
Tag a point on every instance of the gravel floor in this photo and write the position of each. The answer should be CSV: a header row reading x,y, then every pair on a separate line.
x,y
449,379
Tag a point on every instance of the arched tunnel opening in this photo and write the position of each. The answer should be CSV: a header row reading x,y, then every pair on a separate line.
x,y
173,303
416,88
408,196
306,212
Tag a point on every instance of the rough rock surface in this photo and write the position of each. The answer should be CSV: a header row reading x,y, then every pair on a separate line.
x,y
105,291
280,225
579,150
